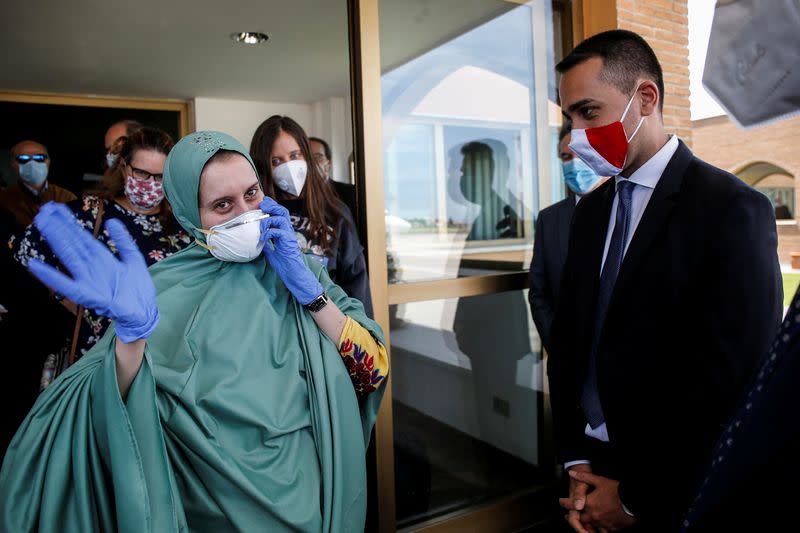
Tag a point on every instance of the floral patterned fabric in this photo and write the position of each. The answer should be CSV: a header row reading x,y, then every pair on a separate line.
x,y
365,358
144,194
147,231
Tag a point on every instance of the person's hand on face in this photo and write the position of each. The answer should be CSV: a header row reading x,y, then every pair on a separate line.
x,y
283,253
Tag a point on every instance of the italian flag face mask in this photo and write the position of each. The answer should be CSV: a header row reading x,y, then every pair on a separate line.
x,y
604,148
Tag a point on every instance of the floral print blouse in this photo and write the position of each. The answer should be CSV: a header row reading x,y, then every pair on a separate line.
x,y
147,231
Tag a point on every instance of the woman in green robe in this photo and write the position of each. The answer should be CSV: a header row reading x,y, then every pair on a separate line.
x,y
236,390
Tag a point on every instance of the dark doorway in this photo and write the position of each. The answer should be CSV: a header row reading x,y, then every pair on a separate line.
x,y
73,136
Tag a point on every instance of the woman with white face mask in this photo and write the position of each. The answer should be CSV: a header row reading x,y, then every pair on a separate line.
x,y
132,193
236,391
323,223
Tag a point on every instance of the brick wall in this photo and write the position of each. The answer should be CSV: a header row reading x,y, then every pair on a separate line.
x,y
664,24
720,142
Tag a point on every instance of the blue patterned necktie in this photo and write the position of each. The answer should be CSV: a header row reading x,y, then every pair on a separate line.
x,y
786,343
590,399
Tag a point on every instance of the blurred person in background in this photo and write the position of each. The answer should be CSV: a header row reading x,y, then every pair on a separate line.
x,y
324,224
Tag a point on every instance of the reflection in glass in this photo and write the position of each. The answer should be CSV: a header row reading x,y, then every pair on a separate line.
x,y
468,139
467,392
470,130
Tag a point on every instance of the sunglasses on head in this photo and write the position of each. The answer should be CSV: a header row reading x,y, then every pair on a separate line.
x,y
24,158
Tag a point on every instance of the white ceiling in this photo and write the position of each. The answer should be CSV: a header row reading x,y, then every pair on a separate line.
x,y
182,49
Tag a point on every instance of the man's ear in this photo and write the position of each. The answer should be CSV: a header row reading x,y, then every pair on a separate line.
x,y
650,97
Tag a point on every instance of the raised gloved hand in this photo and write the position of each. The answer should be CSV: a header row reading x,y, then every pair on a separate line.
x,y
118,289
284,254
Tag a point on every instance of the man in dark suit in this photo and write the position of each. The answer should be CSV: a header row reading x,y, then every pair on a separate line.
x,y
670,294
552,235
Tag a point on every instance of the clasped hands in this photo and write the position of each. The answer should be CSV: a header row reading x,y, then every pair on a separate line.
x,y
593,504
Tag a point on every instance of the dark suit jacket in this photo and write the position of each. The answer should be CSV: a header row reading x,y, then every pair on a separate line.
x,y
760,466
549,254
695,305
347,194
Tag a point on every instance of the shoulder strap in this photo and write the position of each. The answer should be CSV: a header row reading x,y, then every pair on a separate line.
x,y
98,223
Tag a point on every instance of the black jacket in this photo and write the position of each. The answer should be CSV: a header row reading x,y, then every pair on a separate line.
x,y
347,194
345,263
759,448
695,306
550,240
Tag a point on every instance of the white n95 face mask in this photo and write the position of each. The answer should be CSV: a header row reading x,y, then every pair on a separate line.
x,y
237,240
290,177
753,64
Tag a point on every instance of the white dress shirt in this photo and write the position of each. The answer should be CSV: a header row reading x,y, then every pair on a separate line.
x,y
646,178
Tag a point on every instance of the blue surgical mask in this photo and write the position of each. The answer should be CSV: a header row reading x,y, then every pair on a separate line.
x,y
579,176
34,173
111,159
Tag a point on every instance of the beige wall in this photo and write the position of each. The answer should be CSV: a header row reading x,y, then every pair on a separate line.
x,y
240,118
664,24
328,119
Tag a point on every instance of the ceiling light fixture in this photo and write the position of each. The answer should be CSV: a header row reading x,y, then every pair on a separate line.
x,y
250,37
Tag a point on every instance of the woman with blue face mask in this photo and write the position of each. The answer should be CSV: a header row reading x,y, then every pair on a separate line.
x,y
322,222
236,390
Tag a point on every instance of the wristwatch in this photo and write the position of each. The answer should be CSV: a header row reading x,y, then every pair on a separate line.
x,y
627,511
317,303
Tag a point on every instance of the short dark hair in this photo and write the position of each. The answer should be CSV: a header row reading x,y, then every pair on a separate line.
x,y
325,147
626,57
566,129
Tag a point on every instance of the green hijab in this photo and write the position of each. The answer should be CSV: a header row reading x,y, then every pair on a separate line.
x,y
182,173
242,416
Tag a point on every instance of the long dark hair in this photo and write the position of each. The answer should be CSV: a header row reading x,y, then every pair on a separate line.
x,y
113,184
319,198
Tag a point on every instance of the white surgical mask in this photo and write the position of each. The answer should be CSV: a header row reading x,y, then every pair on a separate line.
x,y
237,240
290,177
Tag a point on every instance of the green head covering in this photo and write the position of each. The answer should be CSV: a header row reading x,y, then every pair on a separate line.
x,y
242,417
182,173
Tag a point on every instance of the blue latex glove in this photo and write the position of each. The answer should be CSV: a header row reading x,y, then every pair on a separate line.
x,y
284,254
118,289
